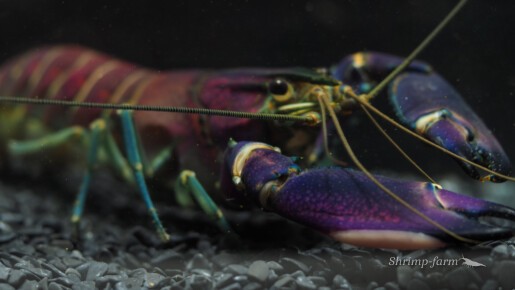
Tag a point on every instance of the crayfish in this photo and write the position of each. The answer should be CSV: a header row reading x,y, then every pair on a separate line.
x,y
349,205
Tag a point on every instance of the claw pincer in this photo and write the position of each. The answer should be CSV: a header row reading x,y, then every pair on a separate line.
x,y
430,106
346,205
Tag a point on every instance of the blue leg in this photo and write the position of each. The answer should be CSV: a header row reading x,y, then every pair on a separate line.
x,y
188,182
120,163
54,140
116,158
131,145
90,139
97,127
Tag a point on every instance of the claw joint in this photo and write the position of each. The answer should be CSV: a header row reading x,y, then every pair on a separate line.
x,y
185,174
242,157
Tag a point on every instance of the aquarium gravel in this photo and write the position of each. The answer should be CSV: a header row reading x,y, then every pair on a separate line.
x,y
38,251
117,247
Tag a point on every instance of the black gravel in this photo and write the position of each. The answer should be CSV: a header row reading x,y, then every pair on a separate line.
x,y
117,249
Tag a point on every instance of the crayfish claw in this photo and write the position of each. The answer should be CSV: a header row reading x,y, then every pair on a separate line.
x,y
347,206
435,110
473,207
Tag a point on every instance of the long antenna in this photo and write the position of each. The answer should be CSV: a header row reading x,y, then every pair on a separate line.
x,y
429,38
169,109
374,92
397,146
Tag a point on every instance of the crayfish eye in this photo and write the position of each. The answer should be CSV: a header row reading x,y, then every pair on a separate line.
x,y
470,136
280,89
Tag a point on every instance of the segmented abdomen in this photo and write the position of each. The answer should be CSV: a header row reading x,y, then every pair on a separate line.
x,y
80,74
76,73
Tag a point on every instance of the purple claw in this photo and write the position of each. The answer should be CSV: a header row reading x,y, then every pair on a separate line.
x,y
429,105
361,69
346,205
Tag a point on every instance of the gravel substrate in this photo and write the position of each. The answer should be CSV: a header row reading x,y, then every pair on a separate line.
x,y
117,249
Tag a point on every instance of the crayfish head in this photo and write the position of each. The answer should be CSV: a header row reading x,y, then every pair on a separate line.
x,y
298,91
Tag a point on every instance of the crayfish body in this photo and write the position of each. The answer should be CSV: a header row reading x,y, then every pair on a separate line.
x,y
342,203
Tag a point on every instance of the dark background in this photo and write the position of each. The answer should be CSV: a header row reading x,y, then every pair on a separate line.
x,y
476,52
